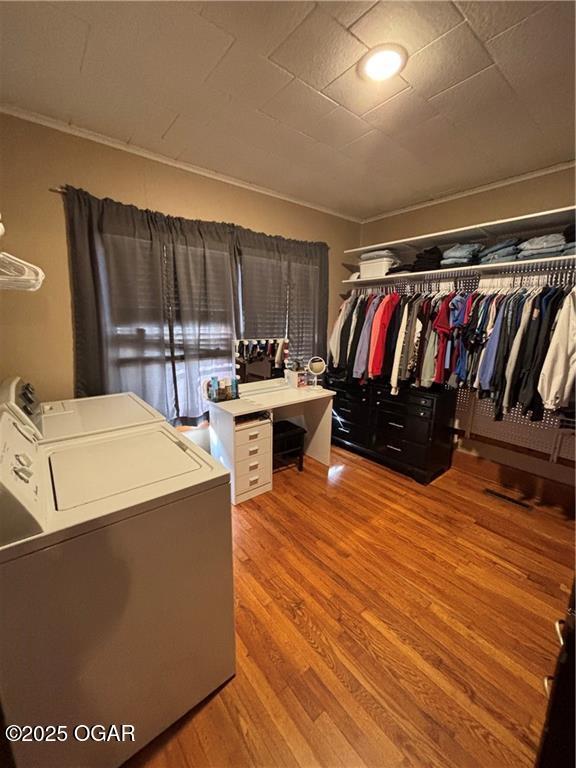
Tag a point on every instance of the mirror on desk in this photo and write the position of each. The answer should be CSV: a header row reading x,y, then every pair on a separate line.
x,y
260,359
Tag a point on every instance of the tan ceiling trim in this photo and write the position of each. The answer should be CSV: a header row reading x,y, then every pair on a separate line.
x,y
58,125
475,190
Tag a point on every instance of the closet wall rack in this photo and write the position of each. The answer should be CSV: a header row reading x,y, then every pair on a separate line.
x,y
474,418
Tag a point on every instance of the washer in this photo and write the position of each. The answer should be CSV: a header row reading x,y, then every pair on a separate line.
x,y
62,419
116,584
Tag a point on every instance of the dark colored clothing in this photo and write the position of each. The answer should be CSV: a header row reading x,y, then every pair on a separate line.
x,y
529,396
345,336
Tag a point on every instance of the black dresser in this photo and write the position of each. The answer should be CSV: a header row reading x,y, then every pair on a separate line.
x,y
409,432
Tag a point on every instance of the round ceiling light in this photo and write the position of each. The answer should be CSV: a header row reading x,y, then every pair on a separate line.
x,y
383,62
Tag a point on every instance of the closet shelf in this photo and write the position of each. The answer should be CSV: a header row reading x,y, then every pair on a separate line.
x,y
501,267
533,223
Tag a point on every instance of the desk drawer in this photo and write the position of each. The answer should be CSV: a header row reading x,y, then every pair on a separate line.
x,y
253,450
256,433
253,466
252,480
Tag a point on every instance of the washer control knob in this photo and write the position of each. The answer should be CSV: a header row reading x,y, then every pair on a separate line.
x,y
23,473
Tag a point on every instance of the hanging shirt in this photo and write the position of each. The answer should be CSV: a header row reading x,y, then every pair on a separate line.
x,y
512,370
486,368
442,328
363,350
334,343
398,351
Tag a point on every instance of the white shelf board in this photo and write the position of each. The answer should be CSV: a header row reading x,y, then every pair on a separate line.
x,y
497,267
533,222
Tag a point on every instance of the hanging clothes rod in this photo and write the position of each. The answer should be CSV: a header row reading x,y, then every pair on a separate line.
x,y
57,190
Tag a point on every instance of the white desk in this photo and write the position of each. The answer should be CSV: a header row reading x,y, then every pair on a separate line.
x,y
245,448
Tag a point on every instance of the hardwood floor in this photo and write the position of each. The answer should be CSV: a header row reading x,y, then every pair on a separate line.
x,y
382,623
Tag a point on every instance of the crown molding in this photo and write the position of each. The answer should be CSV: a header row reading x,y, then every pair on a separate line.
x,y
59,125
475,190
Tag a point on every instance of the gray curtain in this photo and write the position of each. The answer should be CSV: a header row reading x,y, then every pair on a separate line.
x,y
284,291
158,300
153,303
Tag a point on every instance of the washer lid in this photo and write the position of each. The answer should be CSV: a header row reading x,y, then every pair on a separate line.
x,y
87,415
84,472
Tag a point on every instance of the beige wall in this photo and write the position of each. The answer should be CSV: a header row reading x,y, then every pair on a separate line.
x,y
35,328
554,190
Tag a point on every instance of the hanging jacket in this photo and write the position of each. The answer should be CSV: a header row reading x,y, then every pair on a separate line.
x,y
377,360
556,381
529,395
345,334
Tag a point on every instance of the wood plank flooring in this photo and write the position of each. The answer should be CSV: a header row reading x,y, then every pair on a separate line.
x,y
382,623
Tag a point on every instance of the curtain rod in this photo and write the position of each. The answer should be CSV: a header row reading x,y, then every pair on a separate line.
x,y
58,190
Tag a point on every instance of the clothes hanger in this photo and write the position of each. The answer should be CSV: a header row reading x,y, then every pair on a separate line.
x,y
19,275
16,274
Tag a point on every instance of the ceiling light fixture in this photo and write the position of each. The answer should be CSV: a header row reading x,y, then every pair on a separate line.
x,y
383,62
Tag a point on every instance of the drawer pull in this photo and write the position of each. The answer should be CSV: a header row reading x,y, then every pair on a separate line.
x,y
398,426
346,410
377,402
253,435
559,626
253,451
253,480
393,448
343,429
254,465
547,684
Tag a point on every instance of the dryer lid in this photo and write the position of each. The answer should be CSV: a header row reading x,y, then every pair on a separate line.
x,y
92,470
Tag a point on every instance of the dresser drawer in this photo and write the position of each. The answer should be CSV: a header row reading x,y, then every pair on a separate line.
x,y
253,450
419,411
252,480
254,465
255,433
416,399
352,433
410,454
403,426
358,397
350,411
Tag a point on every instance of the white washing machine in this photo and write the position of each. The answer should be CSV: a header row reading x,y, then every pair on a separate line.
x,y
62,419
116,593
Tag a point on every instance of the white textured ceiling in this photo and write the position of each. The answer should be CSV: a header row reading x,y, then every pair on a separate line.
x,y
267,92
